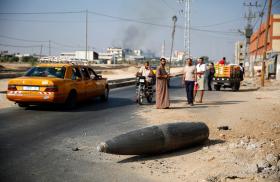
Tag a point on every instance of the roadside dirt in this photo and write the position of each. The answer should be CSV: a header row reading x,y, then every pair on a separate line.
x,y
248,151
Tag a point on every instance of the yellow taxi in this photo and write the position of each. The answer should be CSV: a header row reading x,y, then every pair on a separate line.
x,y
57,83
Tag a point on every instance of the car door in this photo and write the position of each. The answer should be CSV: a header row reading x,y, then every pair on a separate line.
x,y
89,84
78,83
97,82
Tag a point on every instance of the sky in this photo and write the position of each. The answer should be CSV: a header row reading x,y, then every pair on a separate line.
x,y
25,25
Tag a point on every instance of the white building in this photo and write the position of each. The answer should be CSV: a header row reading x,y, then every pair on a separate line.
x,y
86,55
138,52
178,55
67,55
118,52
239,52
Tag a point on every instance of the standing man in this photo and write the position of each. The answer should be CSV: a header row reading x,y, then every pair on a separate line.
x,y
189,79
200,77
162,93
242,71
211,73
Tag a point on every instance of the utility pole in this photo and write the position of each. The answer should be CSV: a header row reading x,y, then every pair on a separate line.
x,y
188,29
86,57
186,11
249,16
265,41
257,46
49,47
174,19
41,49
163,49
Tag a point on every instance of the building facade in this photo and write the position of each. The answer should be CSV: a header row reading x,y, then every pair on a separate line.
x,y
239,52
257,41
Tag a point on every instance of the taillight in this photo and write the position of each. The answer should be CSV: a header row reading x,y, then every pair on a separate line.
x,y
12,88
51,89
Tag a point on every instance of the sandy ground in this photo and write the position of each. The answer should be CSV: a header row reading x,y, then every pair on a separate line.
x,y
248,151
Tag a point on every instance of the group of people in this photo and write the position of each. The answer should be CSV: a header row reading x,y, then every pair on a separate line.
x,y
194,80
162,78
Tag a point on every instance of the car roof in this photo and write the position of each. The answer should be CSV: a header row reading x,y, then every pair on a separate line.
x,y
53,65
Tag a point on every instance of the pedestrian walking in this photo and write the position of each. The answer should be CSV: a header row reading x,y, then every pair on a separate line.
x,y
162,92
200,77
211,73
189,79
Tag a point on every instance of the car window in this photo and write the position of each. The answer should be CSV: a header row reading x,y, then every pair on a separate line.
x,y
76,74
55,72
85,73
92,74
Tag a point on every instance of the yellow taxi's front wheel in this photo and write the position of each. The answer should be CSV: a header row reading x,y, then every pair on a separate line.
x,y
105,96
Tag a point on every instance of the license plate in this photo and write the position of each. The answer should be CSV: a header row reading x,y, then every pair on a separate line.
x,y
142,81
30,88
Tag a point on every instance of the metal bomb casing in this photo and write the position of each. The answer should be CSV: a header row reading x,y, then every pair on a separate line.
x,y
157,139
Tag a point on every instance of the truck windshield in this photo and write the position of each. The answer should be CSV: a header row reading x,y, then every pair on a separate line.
x,y
55,72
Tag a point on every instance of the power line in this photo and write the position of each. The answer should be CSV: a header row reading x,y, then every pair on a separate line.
x,y
24,40
221,23
25,46
168,6
108,16
41,13
261,13
153,24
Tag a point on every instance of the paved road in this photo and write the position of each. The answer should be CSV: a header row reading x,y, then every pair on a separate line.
x,y
37,144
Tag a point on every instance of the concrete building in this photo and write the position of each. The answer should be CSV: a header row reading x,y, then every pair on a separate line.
x,y
178,56
239,52
138,52
273,43
91,55
77,56
118,52
67,55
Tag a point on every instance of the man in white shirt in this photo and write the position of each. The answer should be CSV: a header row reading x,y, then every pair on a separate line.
x,y
200,76
189,79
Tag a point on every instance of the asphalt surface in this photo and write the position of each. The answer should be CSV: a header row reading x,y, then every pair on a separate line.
x,y
52,144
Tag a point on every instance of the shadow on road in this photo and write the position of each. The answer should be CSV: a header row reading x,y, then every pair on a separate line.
x,y
202,105
172,153
217,103
91,105
241,90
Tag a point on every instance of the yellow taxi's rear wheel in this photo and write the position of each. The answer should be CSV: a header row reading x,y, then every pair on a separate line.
x,y
71,101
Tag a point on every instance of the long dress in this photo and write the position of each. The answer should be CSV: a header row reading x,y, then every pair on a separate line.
x,y
162,93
